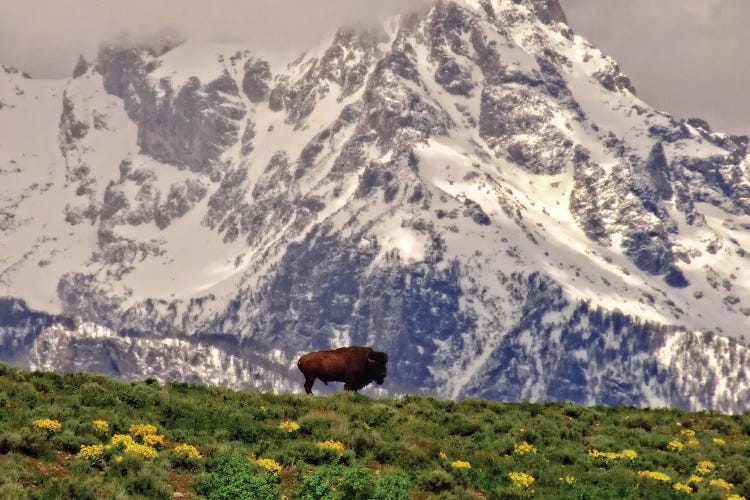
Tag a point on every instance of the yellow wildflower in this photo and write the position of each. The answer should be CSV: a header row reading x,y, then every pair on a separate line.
x,y
332,445
613,455
289,425
687,432
47,424
269,465
657,476
92,451
684,488
141,450
443,455
524,448
102,425
720,483
124,439
521,479
460,464
153,440
704,467
142,430
693,479
610,455
719,441
568,479
691,442
735,496
675,445
188,449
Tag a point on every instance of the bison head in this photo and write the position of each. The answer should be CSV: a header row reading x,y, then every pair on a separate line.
x,y
377,361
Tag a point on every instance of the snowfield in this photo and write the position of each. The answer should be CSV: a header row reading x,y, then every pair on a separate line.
x,y
473,188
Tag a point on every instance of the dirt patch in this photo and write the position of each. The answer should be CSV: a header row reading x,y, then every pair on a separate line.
x,y
181,484
288,485
376,467
58,469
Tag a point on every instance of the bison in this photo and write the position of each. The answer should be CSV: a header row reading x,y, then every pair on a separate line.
x,y
355,366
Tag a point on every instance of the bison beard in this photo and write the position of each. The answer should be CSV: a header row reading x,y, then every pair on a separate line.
x,y
356,366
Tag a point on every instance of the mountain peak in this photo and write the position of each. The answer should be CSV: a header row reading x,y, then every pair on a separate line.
x,y
548,11
474,190
9,70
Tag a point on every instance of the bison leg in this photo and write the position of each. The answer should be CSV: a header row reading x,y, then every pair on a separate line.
x,y
350,384
309,381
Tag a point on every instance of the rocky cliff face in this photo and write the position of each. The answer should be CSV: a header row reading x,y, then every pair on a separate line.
x,y
472,188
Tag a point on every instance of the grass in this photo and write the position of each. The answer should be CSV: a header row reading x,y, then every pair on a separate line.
x,y
347,446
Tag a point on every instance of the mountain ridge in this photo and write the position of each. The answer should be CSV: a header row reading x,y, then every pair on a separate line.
x,y
471,187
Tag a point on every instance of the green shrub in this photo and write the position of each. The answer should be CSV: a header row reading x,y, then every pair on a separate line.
x,y
243,428
150,482
386,452
76,487
744,488
10,441
721,425
639,421
93,394
357,484
12,471
406,456
392,487
735,471
363,442
31,442
13,491
233,477
66,440
123,466
182,461
323,426
24,394
501,426
315,487
312,454
83,467
566,454
745,424
459,425
533,408
436,480
42,382
379,415
137,395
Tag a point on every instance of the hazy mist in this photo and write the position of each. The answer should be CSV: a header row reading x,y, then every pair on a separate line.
x,y
45,37
687,57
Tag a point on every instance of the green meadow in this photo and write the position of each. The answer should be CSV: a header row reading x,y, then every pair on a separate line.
x,y
82,436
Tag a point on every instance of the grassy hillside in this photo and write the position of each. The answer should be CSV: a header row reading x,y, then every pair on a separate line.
x,y
88,436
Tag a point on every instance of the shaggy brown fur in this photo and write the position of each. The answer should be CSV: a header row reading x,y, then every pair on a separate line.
x,y
356,366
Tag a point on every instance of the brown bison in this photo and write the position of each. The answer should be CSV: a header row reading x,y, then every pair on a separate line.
x,y
355,366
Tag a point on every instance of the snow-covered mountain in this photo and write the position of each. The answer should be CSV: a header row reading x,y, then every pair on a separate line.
x,y
472,187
